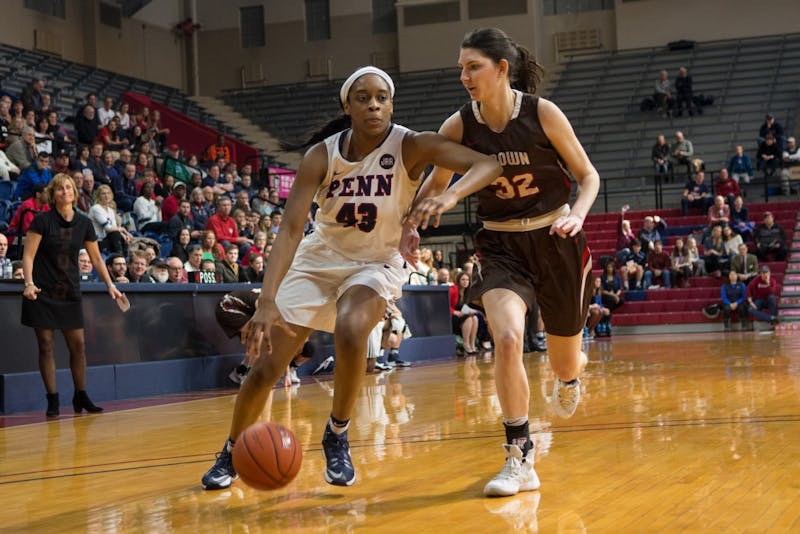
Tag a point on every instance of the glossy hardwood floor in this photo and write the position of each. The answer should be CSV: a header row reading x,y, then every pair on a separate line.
x,y
697,433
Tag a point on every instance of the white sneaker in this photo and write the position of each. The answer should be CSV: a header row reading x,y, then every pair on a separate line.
x,y
516,475
293,378
325,365
566,397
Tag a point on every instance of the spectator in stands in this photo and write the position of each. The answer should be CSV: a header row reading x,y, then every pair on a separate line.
x,y
740,166
258,248
61,137
465,319
660,156
97,165
242,202
684,93
180,244
124,194
438,259
719,214
144,162
734,299
261,203
30,208
35,174
696,194
156,131
170,205
32,95
633,266
194,263
212,250
682,152
6,270
277,219
85,190
81,162
744,264
611,287
790,160
173,151
663,94
23,151
224,226
201,209
698,263
113,237
651,230
7,168
775,129
740,219
182,220
124,119
762,294
47,103
681,264
61,163
242,225
148,215
85,269
137,269
87,125
597,323
44,140
164,188
106,113
731,241
768,157
420,272
218,150
714,255
18,110
118,268
245,184
159,271
5,123
727,188
228,266
254,274
659,265
221,185
770,238
175,271
110,136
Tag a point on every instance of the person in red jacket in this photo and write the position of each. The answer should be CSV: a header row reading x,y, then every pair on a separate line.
x,y
169,207
27,211
224,226
762,294
727,188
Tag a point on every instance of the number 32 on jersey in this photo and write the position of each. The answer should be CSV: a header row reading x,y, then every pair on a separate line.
x,y
519,186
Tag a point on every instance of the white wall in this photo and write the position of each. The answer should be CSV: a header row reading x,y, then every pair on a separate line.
x,y
650,23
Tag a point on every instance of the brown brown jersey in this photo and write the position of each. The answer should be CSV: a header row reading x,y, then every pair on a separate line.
x,y
534,180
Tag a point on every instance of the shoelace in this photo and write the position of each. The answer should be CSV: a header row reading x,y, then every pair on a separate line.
x,y
568,394
510,469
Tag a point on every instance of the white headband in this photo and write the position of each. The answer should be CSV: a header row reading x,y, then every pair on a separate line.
x,y
358,74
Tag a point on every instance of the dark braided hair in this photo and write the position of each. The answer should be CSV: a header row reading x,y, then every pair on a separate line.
x,y
524,72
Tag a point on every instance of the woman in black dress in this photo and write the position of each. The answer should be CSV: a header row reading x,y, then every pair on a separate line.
x,y
52,297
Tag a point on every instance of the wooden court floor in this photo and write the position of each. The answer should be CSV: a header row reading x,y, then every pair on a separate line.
x,y
690,433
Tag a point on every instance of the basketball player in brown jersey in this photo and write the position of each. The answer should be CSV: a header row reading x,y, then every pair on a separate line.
x,y
532,247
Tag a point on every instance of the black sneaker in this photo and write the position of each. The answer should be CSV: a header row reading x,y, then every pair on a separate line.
x,y
339,469
221,475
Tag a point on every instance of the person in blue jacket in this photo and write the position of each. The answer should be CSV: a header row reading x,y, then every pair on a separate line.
x,y
734,295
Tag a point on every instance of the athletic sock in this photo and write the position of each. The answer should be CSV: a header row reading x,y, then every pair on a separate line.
x,y
393,354
518,433
229,445
540,335
570,383
339,427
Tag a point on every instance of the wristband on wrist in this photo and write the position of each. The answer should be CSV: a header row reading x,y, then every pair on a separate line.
x,y
30,284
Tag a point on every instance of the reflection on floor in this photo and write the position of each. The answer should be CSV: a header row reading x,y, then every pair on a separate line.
x,y
694,433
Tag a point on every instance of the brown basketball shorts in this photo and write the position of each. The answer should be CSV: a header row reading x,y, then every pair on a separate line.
x,y
541,268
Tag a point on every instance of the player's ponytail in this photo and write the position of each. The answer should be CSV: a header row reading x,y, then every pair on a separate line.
x,y
527,72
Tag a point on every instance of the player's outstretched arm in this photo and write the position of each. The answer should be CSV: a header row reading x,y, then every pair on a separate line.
x,y
310,174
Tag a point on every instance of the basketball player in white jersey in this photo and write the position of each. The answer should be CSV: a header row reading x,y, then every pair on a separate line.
x,y
363,171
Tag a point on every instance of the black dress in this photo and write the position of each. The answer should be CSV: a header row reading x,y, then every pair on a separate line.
x,y
55,271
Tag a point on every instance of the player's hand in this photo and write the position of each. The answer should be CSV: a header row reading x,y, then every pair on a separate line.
x,y
409,241
567,226
431,207
259,327
31,292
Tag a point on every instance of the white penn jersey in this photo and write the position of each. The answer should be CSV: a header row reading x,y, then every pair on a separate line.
x,y
362,203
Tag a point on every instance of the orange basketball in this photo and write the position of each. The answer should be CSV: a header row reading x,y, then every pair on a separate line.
x,y
266,456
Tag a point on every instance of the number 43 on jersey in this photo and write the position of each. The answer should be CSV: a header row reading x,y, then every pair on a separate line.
x,y
363,216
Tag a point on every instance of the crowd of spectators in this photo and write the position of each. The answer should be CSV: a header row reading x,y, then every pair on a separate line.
x,y
219,224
